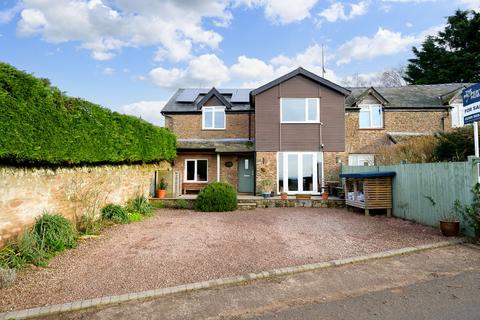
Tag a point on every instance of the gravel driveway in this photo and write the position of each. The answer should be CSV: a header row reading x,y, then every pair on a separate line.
x,y
181,246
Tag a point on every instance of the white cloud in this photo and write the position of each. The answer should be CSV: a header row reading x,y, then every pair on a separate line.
x,y
202,71
383,42
282,11
471,4
105,27
336,11
108,71
147,110
8,14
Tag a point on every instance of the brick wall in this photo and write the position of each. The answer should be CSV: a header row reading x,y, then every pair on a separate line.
x,y
189,126
26,193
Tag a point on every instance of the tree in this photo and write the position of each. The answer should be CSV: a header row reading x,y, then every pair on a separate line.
x,y
453,55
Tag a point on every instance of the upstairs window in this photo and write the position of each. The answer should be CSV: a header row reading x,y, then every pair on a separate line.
x,y
300,110
371,116
213,118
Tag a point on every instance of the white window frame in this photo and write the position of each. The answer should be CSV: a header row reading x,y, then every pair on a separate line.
x,y
306,100
365,156
195,172
457,115
368,107
214,109
317,157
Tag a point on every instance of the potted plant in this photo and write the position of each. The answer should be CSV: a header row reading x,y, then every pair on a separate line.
x,y
283,195
162,189
325,194
450,223
266,188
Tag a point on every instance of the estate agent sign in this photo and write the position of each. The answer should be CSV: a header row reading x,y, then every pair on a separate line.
x,y
471,103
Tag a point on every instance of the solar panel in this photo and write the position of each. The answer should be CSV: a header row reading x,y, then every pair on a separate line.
x,y
241,95
187,95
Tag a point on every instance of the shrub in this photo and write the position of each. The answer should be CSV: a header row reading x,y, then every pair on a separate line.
x,y
90,225
414,150
27,249
455,145
471,213
141,205
39,125
216,197
134,217
54,232
10,258
115,213
7,277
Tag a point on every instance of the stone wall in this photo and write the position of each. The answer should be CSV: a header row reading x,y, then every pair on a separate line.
x,y
26,193
189,126
369,140
266,169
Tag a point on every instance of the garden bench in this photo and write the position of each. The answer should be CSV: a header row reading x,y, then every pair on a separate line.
x,y
192,186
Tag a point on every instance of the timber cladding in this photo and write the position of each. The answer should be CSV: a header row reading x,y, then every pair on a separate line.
x,y
271,135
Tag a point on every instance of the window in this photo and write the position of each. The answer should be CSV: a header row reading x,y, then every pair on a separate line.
x,y
213,118
371,116
361,160
299,110
299,172
457,115
196,170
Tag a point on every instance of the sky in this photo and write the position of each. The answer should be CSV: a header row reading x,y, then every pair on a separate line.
x,y
130,56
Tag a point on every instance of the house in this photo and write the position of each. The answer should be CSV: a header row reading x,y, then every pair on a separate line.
x,y
296,130
381,116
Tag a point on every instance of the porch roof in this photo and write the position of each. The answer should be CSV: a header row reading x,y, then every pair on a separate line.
x,y
217,145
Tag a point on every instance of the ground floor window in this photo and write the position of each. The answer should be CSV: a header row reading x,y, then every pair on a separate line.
x,y
361,160
299,172
196,170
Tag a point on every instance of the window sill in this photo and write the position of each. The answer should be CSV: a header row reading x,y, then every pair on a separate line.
x,y
193,181
213,129
300,122
371,129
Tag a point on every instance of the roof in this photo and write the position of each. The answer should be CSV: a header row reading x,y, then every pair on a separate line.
x,y
397,137
213,93
432,96
217,145
187,100
368,174
300,71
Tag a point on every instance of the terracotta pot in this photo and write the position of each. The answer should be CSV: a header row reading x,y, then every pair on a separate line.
x,y
161,193
283,196
450,228
325,196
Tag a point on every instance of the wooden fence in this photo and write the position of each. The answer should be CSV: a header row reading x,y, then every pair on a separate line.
x,y
426,192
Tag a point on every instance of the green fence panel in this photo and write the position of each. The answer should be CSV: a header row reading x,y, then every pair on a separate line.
x,y
426,192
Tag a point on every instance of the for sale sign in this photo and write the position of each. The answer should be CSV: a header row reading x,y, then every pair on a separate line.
x,y
471,103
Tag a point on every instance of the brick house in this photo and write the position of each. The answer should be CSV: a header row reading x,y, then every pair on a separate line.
x,y
296,130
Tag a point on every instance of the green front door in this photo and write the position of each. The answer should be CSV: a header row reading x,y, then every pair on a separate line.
x,y
245,174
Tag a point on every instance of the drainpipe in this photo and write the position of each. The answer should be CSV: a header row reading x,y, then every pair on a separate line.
x,y
218,167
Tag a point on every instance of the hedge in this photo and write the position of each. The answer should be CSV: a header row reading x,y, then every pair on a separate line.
x,y
41,125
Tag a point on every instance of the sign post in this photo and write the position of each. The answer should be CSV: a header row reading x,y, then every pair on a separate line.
x,y
471,107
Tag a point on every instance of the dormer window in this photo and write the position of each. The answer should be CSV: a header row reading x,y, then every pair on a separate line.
x,y
213,118
371,116
300,110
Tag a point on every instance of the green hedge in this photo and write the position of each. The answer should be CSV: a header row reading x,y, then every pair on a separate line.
x,y
216,197
41,125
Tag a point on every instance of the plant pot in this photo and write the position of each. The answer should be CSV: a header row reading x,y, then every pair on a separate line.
x,y
283,196
325,196
450,228
161,193
265,195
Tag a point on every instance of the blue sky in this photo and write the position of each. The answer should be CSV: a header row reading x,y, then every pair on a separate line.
x,y
131,55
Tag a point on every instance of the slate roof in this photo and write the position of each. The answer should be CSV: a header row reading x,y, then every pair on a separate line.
x,y
174,106
432,96
217,145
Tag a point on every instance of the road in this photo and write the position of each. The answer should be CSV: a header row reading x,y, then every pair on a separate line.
x,y
441,283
